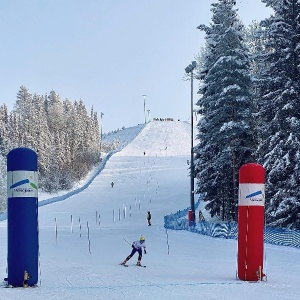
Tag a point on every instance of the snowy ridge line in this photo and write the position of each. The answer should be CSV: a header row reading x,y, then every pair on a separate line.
x,y
229,230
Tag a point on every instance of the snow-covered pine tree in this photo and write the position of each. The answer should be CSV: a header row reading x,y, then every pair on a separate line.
x,y
279,110
55,113
3,153
256,45
225,129
23,102
23,109
42,138
3,130
94,138
3,183
79,139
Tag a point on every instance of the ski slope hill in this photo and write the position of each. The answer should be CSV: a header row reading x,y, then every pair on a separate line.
x,y
83,239
123,136
161,138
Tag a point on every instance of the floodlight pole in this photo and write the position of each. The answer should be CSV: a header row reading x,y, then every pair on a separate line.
x,y
144,107
189,69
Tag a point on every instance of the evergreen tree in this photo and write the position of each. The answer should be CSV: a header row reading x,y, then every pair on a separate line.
x,y
3,153
42,141
24,109
69,113
256,44
23,102
279,110
3,130
55,113
3,183
226,128
94,138
15,138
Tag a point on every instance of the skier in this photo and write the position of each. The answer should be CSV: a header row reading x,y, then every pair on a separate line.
x,y
112,184
201,217
136,247
149,218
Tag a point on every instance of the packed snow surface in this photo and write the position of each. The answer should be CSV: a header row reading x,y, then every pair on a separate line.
x,y
180,264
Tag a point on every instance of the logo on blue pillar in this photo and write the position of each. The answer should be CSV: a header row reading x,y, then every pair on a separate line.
x,y
22,184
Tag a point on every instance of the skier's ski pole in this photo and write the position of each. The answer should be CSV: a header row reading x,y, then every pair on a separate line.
x,y
126,241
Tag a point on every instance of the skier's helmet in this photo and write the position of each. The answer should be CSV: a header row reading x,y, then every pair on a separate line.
x,y
142,239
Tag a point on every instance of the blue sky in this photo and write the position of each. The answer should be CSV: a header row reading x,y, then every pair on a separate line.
x,y
107,52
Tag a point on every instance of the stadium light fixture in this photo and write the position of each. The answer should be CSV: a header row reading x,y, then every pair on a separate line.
x,y
145,106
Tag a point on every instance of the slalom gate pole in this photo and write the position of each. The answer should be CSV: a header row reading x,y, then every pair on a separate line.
x,y
168,241
71,223
79,227
88,232
55,230
40,268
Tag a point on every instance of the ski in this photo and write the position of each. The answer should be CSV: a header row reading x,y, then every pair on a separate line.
x,y
143,266
123,265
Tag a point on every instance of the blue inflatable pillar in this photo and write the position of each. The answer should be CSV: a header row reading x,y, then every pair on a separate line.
x,y
22,217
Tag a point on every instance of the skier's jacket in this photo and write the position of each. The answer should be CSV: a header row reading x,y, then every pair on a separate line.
x,y
138,245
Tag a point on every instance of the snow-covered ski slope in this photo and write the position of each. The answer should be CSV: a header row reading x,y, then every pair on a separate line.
x,y
161,138
190,266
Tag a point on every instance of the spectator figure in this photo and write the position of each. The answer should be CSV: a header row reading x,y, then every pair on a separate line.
x,y
149,218
201,217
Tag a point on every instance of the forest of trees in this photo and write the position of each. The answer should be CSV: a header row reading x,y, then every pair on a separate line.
x,y
249,87
64,135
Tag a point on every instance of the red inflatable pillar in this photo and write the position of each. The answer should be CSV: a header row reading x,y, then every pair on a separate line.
x,y
251,222
191,218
